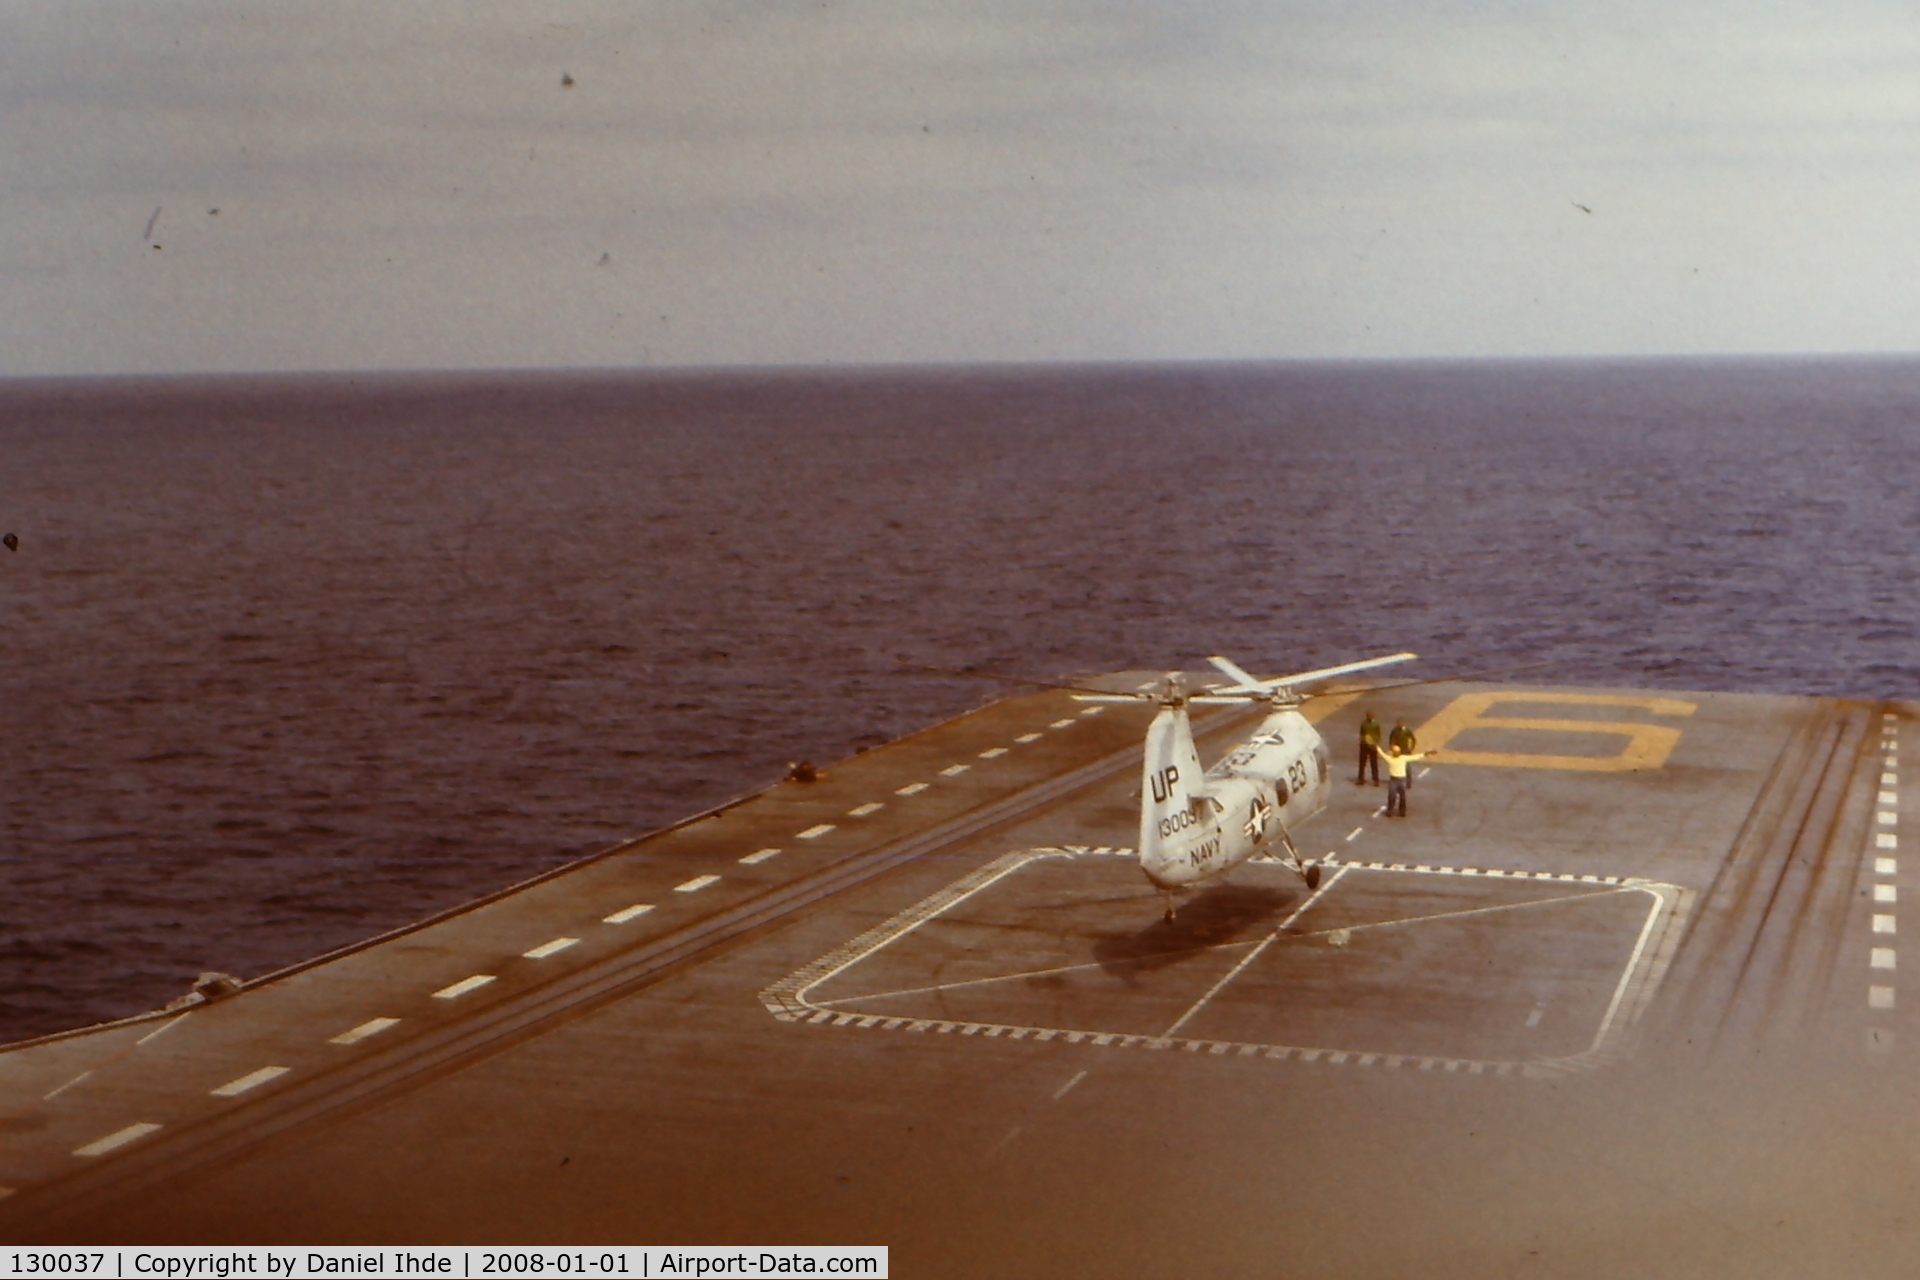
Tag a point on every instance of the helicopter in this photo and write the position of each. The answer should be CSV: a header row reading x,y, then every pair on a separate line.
x,y
1196,824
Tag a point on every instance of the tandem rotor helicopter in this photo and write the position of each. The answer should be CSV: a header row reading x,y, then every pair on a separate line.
x,y
1198,823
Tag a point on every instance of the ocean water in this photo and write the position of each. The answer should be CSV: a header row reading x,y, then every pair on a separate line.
x,y
288,662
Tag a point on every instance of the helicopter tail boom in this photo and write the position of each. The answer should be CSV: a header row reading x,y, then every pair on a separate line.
x,y
1175,808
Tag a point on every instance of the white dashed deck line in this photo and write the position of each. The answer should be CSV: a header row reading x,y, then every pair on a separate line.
x,y
1093,711
546,949
1060,724
463,986
252,1080
862,810
1885,959
114,1141
911,789
696,884
993,753
164,1027
1351,834
79,1079
1067,1088
814,833
372,1027
1028,737
625,914
759,856
954,770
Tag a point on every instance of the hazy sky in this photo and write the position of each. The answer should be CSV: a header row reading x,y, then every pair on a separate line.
x,y
418,185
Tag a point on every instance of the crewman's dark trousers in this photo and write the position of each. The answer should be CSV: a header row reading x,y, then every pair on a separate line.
x,y
1396,797
1369,757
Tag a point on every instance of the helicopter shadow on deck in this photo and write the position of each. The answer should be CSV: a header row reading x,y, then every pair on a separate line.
x,y
1215,917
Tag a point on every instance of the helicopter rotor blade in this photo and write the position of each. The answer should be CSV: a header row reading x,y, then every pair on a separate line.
x,y
1253,684
1241,679
1409,684
1105,695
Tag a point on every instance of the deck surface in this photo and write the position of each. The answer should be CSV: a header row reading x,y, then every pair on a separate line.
x,y
1617,997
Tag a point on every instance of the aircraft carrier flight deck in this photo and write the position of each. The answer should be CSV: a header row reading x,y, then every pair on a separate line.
x,y
1619,995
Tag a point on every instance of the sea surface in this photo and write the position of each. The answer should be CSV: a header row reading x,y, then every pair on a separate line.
x,y
288,662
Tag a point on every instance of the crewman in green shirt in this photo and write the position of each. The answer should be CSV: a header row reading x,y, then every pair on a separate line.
x,y
1369,750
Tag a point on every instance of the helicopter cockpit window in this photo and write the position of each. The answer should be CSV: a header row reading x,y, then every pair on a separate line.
x,y
1279,792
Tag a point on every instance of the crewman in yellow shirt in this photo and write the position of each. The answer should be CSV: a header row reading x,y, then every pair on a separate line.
x,y
1398,762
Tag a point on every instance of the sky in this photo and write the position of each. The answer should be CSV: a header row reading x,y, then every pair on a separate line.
x,y
212,187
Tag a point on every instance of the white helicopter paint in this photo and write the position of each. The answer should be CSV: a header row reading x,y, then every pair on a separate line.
x,y
1196,824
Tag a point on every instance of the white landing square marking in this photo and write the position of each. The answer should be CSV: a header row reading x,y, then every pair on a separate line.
x,y
115,1140
1890,799
546,949
1886,818
1886,866
1883,958
1028,737
1883,924
1879,997
1889,779
463,986
911,789
755,859
1885,893
993,753
1059,724
861,811
814,833
954,770
696,884
1886,840
365,1029
253,1079
804,995
625,914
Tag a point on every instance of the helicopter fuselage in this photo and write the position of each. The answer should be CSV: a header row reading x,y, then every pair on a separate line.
x,y
1194,825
